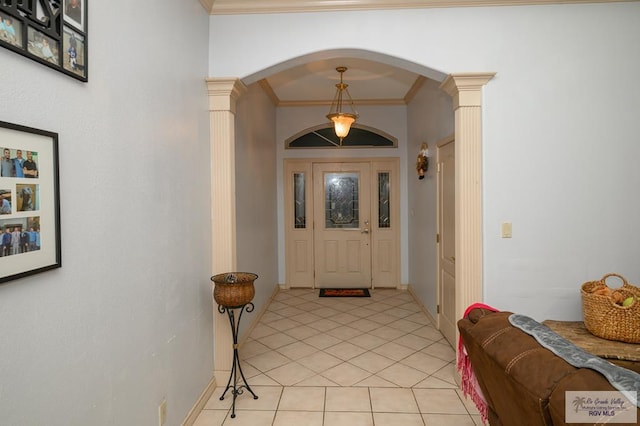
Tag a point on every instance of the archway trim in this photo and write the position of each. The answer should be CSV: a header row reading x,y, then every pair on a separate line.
x,y
466,91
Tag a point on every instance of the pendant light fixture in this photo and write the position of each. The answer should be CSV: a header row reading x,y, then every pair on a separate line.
x,y
342,121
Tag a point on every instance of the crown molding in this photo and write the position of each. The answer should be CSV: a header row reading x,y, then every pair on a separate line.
x,y
208,5
414,89
356,103
236,7
269,92
224,92
466,88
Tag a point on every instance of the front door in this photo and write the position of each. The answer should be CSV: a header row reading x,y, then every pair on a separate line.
x,y
342,238
447,247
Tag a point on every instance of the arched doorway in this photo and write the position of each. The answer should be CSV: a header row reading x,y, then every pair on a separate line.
x,y
465,89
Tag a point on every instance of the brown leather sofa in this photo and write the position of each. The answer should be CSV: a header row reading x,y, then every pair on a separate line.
x,y
522,382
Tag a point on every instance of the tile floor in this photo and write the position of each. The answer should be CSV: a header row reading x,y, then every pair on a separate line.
x,y
345,361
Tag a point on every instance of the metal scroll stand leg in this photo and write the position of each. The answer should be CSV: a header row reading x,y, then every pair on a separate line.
x,y
233,377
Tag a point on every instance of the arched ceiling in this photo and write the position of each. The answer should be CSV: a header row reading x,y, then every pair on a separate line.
x,y
369,83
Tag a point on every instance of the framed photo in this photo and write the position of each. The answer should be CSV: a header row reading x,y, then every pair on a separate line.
x,y
10,30
74,47
42,46
29,202
74,13
51,32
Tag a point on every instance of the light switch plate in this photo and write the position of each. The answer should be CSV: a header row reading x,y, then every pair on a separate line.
x,y
506,229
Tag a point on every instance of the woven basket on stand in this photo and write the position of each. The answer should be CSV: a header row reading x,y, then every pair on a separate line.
x,y
234,289
604,318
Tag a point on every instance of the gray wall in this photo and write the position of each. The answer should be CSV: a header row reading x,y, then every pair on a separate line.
x,y
559,129
429,119
127,320
256,209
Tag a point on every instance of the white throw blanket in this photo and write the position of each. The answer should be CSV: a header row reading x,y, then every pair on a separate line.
x,y
624,380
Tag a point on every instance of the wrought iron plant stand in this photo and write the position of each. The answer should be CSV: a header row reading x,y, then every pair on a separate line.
x,y
235,291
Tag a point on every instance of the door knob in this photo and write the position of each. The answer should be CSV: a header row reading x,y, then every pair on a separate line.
x,y
365,231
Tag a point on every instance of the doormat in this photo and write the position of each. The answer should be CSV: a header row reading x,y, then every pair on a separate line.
x,y
344,292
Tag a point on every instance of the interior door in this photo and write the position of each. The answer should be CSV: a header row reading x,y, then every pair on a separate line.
x,y
447,247
342,246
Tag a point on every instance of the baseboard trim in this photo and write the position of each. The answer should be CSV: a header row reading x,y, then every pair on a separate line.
x,y
425,310
456,376
258,317
200,403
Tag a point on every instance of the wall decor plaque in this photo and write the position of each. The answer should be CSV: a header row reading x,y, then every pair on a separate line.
x,y
51,32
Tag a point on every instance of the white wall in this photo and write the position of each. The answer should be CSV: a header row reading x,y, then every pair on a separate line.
x,y
256,209
430,119
127,320
560,134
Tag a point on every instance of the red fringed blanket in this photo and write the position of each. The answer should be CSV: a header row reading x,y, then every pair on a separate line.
x,y
469,383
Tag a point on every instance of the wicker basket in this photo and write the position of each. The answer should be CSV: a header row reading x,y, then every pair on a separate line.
x,y
604,318
234,289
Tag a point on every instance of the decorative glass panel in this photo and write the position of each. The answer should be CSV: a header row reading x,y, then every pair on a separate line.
x,y
384,213
341,200
325,137
299,207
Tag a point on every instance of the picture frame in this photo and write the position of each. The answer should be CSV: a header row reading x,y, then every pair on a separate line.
x,y
51,32
29,202
74,12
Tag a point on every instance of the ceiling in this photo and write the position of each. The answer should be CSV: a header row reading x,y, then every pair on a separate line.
x,y
370,82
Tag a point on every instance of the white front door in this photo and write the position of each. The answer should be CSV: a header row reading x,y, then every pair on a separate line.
x,y
447,247
342,225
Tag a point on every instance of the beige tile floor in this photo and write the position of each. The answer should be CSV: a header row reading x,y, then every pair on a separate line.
x,y
345,361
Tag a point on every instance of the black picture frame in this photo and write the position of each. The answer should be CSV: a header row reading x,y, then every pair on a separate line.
x,y
29,202
51,32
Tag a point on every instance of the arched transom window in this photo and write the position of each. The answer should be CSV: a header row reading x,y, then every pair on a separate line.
x,y
359,136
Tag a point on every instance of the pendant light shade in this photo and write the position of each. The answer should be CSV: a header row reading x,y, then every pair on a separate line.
x,y
342,124
342,120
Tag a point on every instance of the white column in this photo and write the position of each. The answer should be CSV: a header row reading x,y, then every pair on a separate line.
x,y
466,91
223,94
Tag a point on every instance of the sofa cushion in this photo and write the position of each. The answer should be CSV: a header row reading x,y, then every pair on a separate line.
x,y
516,374
581,379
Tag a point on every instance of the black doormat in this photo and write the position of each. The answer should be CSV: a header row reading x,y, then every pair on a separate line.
x,y
344,292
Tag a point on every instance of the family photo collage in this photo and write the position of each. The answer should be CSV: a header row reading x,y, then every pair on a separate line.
x,y
29,201
52,32
19,202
